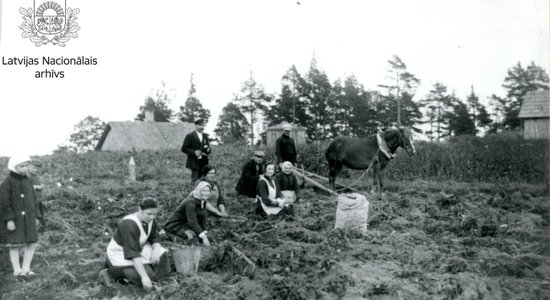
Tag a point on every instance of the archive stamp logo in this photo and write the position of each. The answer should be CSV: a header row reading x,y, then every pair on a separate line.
x,y
49,22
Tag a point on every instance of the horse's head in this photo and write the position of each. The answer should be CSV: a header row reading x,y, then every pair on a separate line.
x,y
406,140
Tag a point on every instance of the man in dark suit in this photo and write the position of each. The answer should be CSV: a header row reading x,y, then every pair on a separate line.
x,y
250,175
197,148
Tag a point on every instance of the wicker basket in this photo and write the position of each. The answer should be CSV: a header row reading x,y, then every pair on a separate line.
x,y
186,258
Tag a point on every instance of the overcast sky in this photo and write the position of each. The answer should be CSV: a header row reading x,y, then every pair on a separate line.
x,y
139,44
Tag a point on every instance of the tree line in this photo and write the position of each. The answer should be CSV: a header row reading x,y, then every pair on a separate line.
x,y
345,107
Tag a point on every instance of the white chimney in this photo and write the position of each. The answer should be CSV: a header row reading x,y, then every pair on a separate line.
x,y
149,116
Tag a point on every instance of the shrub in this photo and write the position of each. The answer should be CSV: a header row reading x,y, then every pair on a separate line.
x,y
494,158
467,158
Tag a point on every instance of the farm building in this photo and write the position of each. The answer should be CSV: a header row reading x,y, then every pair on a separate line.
x,y
148,135
298,133
535,115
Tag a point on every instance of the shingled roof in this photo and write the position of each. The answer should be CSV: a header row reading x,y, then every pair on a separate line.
x,y
535,105
136,135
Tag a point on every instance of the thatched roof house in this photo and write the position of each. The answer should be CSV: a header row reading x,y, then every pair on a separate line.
x,y
298,133
137,135
535,115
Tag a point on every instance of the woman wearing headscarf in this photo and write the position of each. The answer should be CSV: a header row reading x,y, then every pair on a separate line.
x,y
269,200
188,221
288,183
19,214
134,252
216,202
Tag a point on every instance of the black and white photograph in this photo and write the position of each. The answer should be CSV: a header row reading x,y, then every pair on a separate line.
x,y
274,149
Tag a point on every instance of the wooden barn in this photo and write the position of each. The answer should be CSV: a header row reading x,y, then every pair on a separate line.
x,y
148,135
298,133
535,115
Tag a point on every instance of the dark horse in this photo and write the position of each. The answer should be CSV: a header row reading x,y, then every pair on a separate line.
x,y
358,153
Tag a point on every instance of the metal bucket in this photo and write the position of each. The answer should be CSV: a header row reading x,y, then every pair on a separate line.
x,y
186,258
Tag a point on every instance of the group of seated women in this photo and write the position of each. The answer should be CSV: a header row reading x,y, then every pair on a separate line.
x,y
277,193
274,193
134,253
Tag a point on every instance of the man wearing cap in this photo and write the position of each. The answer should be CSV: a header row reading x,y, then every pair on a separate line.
x,y
250,175
285,150
197,148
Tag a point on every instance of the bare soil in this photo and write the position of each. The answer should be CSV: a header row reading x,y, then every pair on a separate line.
x,y
426,240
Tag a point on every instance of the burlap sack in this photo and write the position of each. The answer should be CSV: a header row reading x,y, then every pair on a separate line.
x,y
352,212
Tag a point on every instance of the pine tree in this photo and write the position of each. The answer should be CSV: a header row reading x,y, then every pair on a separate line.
x,y
411,114
497,104
252,102
291,105
318,92
401,89
483,118
193,109
342,109
518,82
460,120
361,117
232,124
478,112
438,104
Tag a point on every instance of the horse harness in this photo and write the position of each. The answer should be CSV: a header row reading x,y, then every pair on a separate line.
x,y
382,147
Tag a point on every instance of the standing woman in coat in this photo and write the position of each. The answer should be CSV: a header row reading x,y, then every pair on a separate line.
x,y
19,215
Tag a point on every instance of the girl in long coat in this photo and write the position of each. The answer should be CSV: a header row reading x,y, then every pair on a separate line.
x,y
19,214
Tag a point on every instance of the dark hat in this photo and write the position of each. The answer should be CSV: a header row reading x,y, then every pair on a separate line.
x,y
207,169
199,121
148,202
259,154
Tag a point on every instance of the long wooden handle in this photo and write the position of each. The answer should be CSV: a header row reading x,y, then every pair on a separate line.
x,y
324,178
315,183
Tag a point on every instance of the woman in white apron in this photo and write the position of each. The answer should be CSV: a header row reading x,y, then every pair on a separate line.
x,y
288,183
269,200
134,252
